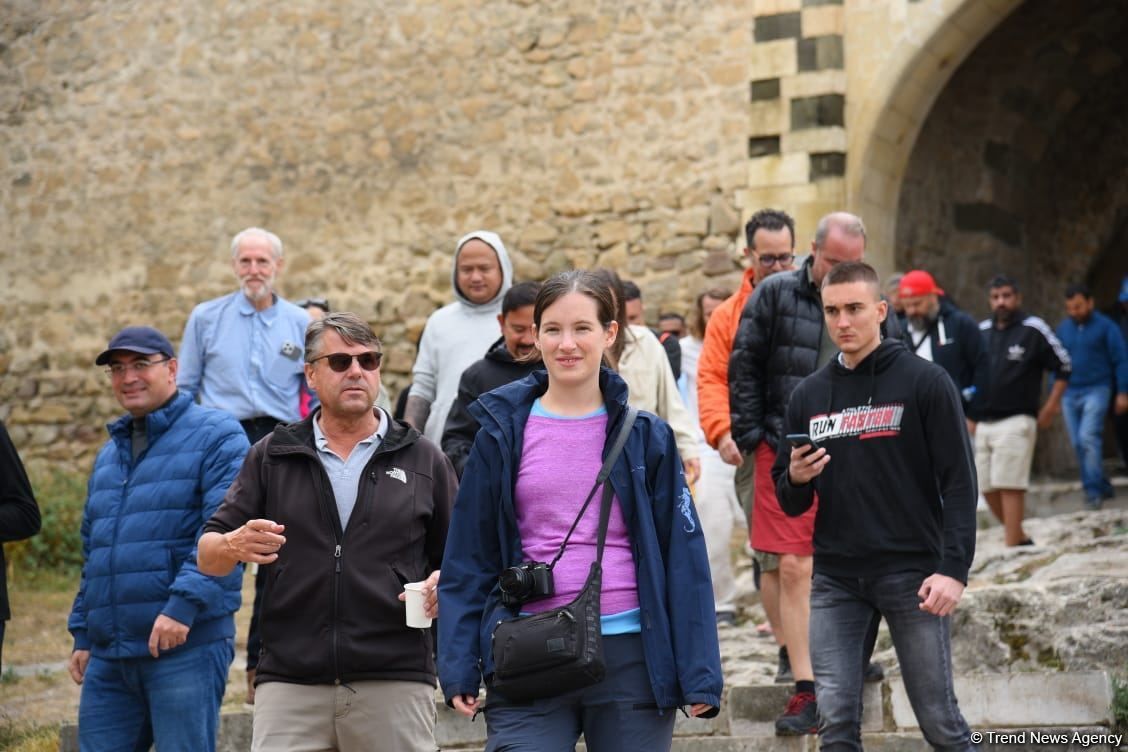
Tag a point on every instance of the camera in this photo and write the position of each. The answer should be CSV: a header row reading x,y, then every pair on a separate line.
x,y
526,582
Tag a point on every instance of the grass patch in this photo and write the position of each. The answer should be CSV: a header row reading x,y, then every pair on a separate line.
x,y
28,737
1120,703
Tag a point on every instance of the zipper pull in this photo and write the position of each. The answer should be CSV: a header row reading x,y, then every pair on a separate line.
x,y
337,556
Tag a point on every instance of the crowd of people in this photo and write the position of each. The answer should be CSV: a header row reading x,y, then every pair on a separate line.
x,y
850,425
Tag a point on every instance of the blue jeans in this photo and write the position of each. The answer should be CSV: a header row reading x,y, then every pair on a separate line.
x,y
128,704
1085,409
843,611
618,713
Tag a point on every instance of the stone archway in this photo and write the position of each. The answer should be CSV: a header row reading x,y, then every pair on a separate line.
x,y
1019,165
901,83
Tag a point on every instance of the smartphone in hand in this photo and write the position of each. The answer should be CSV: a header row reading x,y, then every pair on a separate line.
x,y
798,440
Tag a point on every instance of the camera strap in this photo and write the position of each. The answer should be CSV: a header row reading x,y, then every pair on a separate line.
x,y
602,480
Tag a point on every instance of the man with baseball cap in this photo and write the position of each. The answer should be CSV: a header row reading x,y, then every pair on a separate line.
x,y
939,332
153,636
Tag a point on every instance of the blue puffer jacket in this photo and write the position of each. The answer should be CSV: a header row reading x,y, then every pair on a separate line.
x,y
679,632
140,527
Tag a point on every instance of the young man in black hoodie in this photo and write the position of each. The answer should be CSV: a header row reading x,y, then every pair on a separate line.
x,y
513,356
895,527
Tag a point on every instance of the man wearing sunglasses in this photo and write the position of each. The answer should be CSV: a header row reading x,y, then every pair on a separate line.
x,y
341,510
153,636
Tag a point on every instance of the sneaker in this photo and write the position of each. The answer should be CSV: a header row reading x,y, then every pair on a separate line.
x,y
726,619
784,675
873,673
1095,503
801,716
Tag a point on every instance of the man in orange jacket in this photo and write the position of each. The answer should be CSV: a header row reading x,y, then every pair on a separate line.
x,y
770,234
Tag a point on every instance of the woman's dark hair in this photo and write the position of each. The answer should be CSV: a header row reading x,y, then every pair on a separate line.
x,y
591,284
697,317
614,283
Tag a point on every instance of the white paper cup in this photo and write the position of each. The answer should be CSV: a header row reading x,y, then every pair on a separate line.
x,y
416,617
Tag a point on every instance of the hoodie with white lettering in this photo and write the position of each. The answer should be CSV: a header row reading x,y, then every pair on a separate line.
x,y
899,492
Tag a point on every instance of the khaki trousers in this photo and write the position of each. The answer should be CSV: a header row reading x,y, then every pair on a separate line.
x,y
392,716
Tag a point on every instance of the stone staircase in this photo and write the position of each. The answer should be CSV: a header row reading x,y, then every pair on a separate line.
x,y
1052,712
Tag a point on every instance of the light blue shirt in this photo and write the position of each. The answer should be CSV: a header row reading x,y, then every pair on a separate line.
x,y
246,362
344,474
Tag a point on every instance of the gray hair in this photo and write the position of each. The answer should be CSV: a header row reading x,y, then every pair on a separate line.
x,y
270,237
351,328
849,224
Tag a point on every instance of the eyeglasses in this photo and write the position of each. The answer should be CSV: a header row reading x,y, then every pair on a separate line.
x,y
341,362
322,303
137,366
783,260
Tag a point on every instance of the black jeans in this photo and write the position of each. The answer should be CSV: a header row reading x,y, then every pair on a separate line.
x,y
843,612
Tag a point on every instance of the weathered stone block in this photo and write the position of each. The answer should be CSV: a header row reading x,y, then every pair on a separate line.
x,y
823,20
763,146
612,232
724,219
766,117
827,164
820,53
767,88
774,59
818,111
779,26
1017,700
815,140
777,170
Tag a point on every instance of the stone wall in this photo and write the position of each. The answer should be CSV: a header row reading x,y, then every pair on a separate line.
x,y
137,137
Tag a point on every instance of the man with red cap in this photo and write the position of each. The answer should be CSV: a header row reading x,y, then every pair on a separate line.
x,y
938,331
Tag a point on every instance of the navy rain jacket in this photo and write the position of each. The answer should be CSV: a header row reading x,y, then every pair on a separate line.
x,y
675,592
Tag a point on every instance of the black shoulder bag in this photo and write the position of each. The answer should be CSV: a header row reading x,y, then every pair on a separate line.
x,y
560,650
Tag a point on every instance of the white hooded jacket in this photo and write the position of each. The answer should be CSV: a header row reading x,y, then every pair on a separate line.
x,y
455,336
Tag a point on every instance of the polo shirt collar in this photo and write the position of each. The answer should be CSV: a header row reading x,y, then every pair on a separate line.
x,y
247,308
377,436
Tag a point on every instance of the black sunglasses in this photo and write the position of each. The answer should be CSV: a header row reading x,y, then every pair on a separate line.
x,y
341,362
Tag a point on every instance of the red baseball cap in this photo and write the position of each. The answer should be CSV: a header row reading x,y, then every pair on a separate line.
x,y
916,283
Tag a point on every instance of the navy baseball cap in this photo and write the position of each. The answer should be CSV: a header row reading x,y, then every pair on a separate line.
x,y
139,339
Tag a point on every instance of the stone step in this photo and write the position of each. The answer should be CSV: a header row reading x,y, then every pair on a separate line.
x,y
1044,739
1019,700
235,736
992,703
987,701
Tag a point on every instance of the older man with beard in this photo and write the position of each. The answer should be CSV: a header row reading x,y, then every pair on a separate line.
x,y
242,353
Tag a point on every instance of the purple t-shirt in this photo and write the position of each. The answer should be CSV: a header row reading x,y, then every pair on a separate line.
x,y
559,463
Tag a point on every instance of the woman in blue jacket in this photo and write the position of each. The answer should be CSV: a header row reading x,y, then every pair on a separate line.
x,y
532,464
